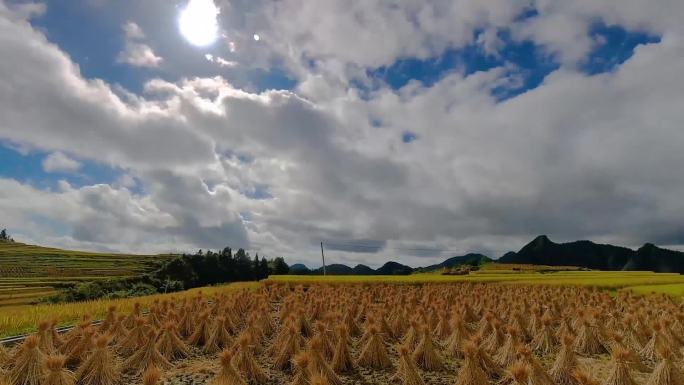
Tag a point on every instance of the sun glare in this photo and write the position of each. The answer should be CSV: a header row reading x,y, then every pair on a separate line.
x,y
197,22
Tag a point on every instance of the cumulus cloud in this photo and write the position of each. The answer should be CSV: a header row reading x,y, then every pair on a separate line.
x,y
59,162
577,157
139,55
135,52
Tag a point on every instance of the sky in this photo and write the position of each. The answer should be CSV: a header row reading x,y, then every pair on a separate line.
x,y
406,130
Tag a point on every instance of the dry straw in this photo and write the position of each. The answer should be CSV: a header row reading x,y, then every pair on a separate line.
x,y
587,343
666,372
300,362
619,373
170,344
148,355
246,364
407,372
100,367
426,355
374,353
228,374
538,374
289,348
545,341
342,361
565,364
27,366
471,373
151,376
317,363
56,373
507,355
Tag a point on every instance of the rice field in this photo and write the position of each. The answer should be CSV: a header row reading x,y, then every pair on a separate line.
x,y
282,332
598,279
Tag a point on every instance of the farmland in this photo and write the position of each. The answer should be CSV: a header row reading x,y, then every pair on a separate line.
x,y
598,279
29,273
335,331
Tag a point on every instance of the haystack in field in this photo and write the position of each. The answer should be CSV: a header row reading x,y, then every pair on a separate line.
x,y
300,363
219,337
170,344
587,342
246,364
288,349
342,360
471,373
202,331
27,364
537,373
100,368
459,336
228,374
317,363
148,355
44,335
407,372
136,338
565,364
374,354
426,355
507,355
666,372
56,373
619,373
545,342
118,331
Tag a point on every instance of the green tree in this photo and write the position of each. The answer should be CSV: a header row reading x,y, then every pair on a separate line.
x,y
263,269
279,267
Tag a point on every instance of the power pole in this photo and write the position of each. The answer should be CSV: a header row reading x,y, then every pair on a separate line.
x,y
323,257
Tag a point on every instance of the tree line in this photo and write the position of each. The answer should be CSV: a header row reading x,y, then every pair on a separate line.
x,y
210,268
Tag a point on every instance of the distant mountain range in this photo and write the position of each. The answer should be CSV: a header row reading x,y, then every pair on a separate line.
x,y
541,251
649,257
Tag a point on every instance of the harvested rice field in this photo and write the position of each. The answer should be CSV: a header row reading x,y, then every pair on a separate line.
x,y
343,334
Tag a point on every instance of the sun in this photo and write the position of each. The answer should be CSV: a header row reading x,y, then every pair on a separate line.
x,y
197,22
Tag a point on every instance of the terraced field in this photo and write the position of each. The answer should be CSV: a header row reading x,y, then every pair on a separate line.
x,y
29,273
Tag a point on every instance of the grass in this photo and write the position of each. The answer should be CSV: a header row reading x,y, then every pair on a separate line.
x,y
23,319
24,267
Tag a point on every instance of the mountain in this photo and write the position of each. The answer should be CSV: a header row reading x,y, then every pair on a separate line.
x,y
394,268
543,251
334,269
653,258
299,268
363,270
473,259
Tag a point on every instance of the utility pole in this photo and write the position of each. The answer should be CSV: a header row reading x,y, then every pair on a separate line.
x,y
323,257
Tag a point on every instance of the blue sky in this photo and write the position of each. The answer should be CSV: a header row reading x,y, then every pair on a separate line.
x,y
334,115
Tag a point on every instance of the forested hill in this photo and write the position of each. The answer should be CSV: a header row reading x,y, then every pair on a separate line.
x,y
543,251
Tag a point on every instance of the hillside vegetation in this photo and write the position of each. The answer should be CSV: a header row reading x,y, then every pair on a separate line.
x,y
28,272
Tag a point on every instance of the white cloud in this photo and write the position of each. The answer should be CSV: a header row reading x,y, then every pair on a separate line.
x,y
135,52
577,157
59,162
139,55
221,61
133,31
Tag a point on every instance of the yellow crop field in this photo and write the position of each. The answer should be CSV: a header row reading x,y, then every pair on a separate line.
x,y
599,279
22,319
